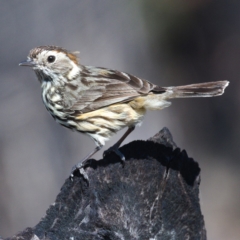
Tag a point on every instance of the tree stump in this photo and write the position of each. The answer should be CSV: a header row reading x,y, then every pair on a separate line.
x,y
154,195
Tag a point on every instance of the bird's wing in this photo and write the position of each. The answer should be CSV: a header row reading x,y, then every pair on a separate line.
x,y
101,87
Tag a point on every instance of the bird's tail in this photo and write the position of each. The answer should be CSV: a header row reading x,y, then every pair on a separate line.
x,y
209,89
158,99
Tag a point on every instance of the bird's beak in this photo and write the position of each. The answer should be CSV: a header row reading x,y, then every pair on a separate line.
x,y
28,63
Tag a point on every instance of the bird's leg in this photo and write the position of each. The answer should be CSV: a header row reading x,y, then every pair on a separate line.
x,y
80,166
115,147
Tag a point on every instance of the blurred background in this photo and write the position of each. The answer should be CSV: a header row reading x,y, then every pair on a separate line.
x,y
167,42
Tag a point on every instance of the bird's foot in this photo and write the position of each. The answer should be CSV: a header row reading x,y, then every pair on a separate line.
x,y
116,151
79,167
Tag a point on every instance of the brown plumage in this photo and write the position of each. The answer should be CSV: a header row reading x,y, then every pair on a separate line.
x,y
100,101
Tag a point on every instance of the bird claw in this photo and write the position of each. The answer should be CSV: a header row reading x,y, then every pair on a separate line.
x,y
116,151
79,167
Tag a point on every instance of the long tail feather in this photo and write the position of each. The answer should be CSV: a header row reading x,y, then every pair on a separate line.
x,y
209,89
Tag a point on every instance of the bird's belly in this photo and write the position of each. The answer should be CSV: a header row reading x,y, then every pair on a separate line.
x,y
100,124
103,123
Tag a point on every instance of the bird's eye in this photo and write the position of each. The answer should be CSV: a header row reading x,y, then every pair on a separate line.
x,y
51,59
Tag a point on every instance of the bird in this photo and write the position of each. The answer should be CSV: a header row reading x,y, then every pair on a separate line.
x,y
98,101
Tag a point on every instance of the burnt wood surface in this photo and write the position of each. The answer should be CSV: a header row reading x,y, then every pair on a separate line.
x,y
154,195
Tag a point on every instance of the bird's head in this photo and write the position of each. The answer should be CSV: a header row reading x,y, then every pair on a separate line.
x,y
52,63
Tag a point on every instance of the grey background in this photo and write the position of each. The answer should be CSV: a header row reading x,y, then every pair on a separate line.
x,y
167,42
